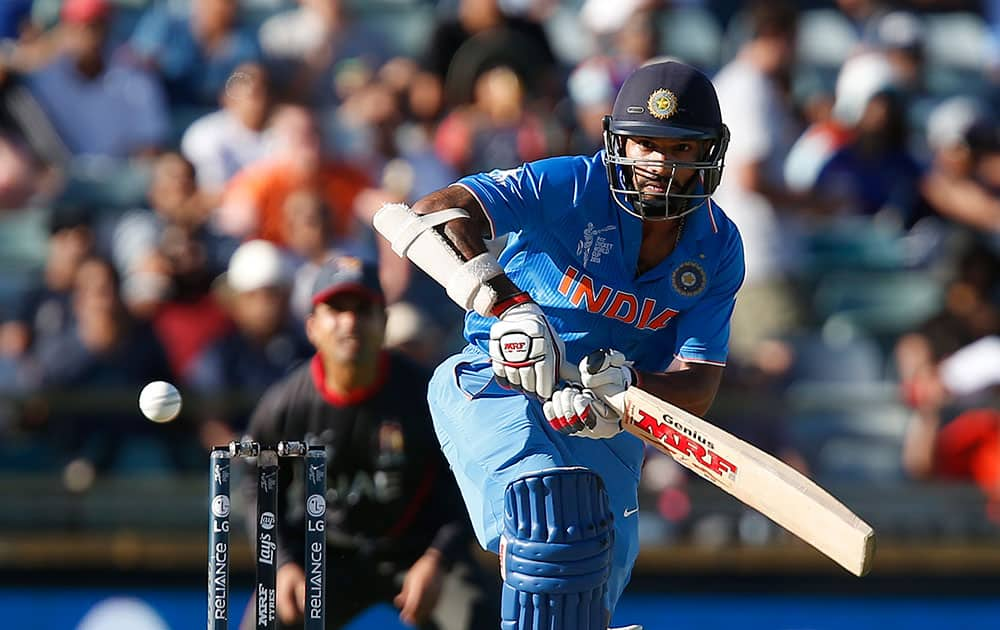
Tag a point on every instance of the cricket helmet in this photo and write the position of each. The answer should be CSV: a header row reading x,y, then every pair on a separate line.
x,y
669,99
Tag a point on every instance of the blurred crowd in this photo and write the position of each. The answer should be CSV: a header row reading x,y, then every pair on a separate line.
x,y
187,165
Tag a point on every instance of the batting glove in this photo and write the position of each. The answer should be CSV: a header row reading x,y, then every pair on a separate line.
x,y
607,372
525,351
575,411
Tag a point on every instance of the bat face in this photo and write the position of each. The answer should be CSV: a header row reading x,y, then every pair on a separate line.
x,y
681,442
756,478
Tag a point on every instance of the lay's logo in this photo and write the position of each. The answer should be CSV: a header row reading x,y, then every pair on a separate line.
x,y
581,290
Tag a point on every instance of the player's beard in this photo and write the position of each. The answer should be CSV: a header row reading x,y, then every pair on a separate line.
x,y
652,189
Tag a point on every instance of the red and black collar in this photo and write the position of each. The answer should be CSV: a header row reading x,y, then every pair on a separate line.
x,y
353,397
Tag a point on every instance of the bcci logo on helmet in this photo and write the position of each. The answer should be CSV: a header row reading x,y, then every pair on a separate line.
x,y
662,103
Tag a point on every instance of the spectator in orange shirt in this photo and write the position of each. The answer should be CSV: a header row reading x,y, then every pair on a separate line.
x,y
969,448
950,374
964,449
253,205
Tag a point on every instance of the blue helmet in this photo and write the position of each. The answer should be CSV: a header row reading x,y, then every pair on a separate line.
x,y
665,100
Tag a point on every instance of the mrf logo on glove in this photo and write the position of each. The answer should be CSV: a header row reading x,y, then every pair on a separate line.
x,y
525,352
516,347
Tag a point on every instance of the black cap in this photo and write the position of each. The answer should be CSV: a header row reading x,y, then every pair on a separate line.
x,y
347,274
983,136
69,216
667,99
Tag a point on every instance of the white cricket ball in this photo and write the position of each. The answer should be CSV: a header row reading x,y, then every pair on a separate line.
x,y
160,401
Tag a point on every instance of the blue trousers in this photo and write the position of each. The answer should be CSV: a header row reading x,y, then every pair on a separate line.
x,y
491,436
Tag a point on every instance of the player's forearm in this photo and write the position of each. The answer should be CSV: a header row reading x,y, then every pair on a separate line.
x,y
466,235
692,389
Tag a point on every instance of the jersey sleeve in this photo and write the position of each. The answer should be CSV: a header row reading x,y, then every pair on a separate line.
x,y
703,330
532,195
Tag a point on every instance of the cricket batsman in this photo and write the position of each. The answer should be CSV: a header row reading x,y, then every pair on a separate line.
x,y
620,263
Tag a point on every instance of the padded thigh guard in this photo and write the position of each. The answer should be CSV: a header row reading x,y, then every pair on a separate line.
x,y
555,552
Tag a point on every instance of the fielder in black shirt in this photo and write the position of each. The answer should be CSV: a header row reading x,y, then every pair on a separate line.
x,y
396,527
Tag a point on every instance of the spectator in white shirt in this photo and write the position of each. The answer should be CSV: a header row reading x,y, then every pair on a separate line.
x,y
221,143
763,128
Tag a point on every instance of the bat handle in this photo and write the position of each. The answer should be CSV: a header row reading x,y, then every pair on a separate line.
x,y
569,372
596,361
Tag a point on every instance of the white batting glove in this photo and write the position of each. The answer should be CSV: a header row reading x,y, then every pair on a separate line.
x,y
568,411
607,372
525,351
575,411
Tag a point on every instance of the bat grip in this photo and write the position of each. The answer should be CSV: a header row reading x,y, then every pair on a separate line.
x,y
569,372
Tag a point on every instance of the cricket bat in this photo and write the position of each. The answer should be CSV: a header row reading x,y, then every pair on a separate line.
x,y
756,478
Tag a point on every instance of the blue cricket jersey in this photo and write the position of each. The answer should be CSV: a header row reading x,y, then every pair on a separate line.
x,y
575,251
